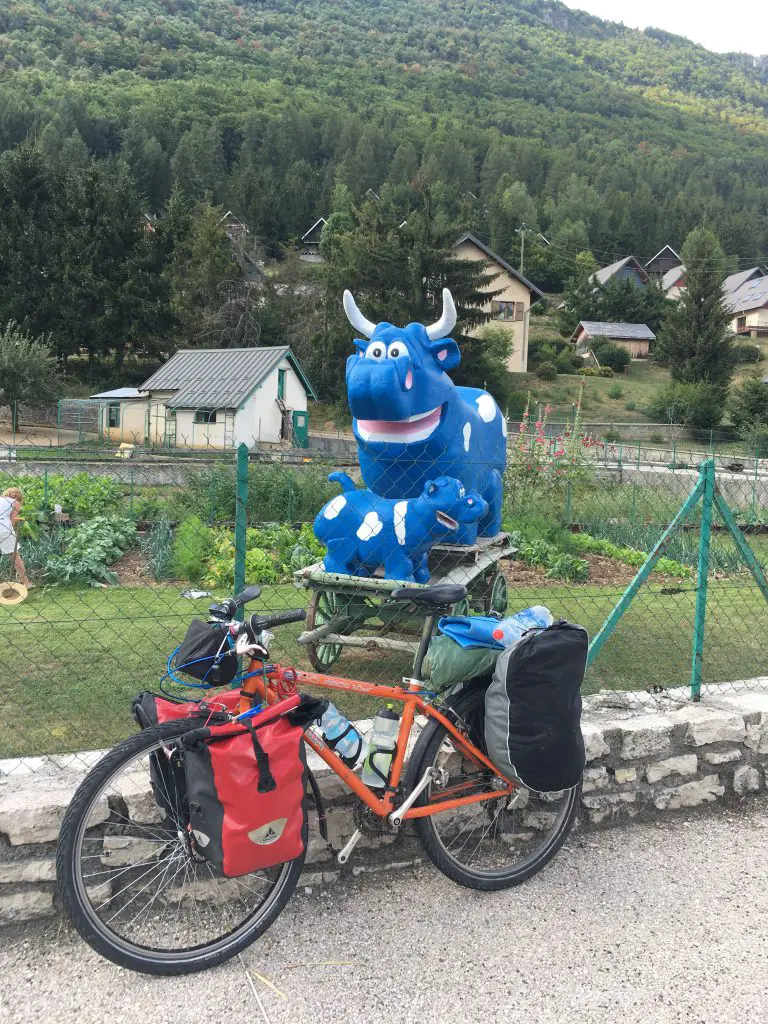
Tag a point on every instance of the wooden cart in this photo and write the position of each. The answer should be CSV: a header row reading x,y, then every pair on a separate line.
x,y
344,610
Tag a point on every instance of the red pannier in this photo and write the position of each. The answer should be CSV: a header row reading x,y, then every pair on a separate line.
x,y
246,786
151,709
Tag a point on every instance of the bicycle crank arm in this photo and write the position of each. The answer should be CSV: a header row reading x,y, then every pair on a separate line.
x,y
430,775
346,851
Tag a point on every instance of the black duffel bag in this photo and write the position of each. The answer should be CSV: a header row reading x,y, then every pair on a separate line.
x,y
533,708
205,653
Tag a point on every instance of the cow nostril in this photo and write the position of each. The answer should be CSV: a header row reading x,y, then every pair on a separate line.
x,y
409,380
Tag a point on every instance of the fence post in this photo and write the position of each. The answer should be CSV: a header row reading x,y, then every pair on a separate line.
x,y
702,575
754,487
241,518
45,489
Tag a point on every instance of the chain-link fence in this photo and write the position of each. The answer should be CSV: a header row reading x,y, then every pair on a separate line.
x,y
123,553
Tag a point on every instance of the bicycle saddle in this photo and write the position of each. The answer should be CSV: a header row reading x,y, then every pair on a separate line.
x,y
440,596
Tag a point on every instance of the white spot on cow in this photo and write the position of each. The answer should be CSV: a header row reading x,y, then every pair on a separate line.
x,y
401,507
462,492
486,407
408,381
467,434
334,506
442,354
503,426
370,526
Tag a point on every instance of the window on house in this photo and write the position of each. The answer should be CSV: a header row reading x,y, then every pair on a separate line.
x,y
281,385
113,414
741,322
205,415
502,310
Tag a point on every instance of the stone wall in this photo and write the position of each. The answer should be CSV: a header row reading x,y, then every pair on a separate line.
x,y
646,756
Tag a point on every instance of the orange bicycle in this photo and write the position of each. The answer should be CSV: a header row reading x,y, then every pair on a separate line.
x,y
139,896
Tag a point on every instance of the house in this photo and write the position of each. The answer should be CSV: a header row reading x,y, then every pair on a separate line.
x,y
664,260
309,246
634,338
234,227
673,282
733,283
214,398
749,305
512,306
627,269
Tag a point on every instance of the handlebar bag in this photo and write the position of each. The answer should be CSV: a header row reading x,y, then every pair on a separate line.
x,y
205,654
246,786
533,708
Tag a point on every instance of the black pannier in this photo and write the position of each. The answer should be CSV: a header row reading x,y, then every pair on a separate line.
x,y
533,708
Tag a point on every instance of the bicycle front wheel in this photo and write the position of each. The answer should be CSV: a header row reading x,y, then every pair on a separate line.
x,y
495,843
132,886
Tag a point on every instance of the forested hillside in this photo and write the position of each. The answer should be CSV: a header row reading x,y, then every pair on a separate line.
x,y
599,135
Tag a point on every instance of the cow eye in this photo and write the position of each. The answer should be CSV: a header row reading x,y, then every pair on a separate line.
x,y
397,349
375,351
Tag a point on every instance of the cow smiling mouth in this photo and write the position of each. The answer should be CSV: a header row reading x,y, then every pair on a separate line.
x,y
415,428
445,520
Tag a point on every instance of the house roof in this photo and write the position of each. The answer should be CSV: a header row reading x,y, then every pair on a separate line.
x,y
666,251
306,235
469,237
751,295
606,273
624,332
221,378
736,281
121,393
672,276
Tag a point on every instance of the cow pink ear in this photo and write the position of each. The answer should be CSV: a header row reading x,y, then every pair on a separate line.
x,y
446,353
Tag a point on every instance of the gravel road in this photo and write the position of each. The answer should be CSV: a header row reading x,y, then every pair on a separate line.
x,y
651,924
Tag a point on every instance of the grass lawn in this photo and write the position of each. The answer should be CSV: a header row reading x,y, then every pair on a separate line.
x,y
71,659
638,383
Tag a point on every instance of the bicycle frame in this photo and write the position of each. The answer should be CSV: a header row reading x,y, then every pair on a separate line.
x,y
267,689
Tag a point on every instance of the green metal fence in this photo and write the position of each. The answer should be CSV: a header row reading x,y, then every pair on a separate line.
x,y
663,565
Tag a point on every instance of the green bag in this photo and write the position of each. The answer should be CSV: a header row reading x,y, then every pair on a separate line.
x,y
447,664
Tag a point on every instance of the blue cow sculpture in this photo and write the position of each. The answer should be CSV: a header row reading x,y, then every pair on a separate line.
x,y
364,531
410,420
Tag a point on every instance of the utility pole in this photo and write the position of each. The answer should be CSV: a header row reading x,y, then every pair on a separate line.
x,y
521,231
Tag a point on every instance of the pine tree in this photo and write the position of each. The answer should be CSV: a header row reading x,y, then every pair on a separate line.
x,y
581,298
695,338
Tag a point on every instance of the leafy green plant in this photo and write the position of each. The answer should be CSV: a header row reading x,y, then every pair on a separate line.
x,y
611,436
616,391
191,549
629,556
546,371
568,567
89,551
630,406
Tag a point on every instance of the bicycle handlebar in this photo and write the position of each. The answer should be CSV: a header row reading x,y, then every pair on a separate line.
x,y
257,623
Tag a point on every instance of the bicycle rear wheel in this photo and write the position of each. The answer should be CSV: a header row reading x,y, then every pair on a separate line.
x,y
493,844
130,883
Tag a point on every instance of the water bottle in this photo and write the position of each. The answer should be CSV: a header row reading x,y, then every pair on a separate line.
x,y
381,752
509,630
341,736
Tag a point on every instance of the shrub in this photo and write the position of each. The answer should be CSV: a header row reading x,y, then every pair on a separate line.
x,y
605,371
597,371
568,567
191,549
611,436
696,404
630,406
747,353
656,438
608,354
546,371
748,405
616,391
568,361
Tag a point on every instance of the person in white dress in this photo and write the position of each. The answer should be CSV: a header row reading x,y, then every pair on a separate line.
x,y
11,501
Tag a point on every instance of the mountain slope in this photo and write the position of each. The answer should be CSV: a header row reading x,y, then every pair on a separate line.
x,y
658,130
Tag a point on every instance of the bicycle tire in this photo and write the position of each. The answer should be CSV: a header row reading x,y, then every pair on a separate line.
x,y
469,704
74,894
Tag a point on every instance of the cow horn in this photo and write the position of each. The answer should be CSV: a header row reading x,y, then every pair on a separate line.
x,y
447,321
355,317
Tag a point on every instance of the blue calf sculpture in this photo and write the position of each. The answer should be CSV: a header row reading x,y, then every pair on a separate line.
x,y
364,531
412,423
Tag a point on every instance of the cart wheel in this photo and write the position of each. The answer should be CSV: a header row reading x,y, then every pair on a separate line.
x,y
497,598
323,607
463,607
